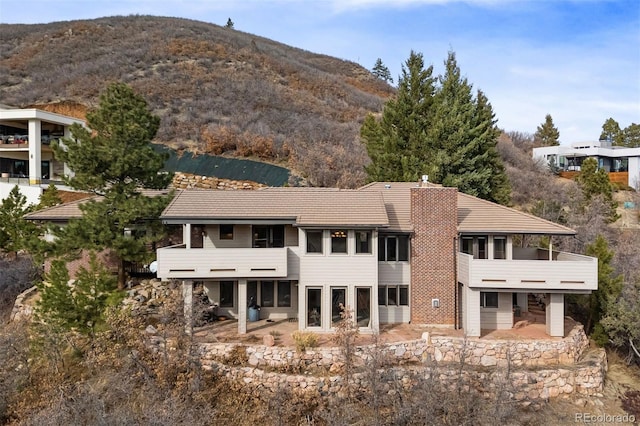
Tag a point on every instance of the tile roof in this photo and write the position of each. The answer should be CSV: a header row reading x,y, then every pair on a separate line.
x,y
303,206
71,210
379,204
475,215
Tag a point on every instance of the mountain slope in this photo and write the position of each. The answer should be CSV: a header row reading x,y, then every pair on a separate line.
x,y
217,90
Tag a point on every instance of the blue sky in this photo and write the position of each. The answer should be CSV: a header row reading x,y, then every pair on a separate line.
x,y
578,60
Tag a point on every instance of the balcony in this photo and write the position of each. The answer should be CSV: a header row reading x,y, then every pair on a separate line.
x,y
531,270
177,262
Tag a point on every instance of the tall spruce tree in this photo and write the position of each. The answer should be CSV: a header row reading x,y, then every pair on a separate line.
x,y
464,127
547,134
396,143
441,131
114,159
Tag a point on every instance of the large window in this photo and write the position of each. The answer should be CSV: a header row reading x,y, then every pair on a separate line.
x,y
226,294
268,236
393,295
392,248
314,241
314,307
363,242
338,241
488,299
363,306
266,294
338,303
284,294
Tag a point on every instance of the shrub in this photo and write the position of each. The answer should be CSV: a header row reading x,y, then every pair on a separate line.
x,y
304,340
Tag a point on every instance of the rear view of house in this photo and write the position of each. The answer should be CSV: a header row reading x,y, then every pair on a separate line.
x,y
393,252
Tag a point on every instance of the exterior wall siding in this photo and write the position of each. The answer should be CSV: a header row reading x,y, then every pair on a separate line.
x,y
397,273
498,318
394,314
434,214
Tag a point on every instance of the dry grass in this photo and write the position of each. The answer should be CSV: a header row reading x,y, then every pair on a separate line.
x,y
263,99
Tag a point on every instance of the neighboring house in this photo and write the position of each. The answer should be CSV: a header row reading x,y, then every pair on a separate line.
x,y
622,164
26,157
393,252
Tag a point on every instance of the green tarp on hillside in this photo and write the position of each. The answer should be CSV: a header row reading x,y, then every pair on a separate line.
x,y
224,168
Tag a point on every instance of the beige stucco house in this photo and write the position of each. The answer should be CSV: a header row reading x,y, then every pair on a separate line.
x,y
393,252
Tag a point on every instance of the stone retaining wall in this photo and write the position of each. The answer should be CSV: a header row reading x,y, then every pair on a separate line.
x,y
478,352
585,378
183,180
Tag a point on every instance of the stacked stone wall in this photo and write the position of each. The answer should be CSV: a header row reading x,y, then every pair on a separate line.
x,y
189,181
445,349
585,378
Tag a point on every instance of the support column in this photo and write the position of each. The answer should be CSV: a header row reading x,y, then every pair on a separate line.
x,y
555,314
35,152
302,306
186,235
67,134
242,306
523,301
471,300
187,299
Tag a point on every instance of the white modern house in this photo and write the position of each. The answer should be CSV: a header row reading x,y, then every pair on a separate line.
x,y
26,158
392,252
622,164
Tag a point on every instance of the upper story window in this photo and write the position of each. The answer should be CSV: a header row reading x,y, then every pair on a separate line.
x,y
499,247
268,236
226,232
314,241
363,242
338,241
393,248
475,246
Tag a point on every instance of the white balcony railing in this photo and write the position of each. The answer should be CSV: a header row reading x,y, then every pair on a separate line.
x,y
565,272
177,262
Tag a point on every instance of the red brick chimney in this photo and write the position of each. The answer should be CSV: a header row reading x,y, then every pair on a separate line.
x,y
434,214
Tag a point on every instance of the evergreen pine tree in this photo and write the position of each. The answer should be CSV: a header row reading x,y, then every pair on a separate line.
x,y
547,134
443,132
50,197
594,182
611,132
16,233
77,305
396,144
381,71
114,159
631,136
229,24
609,288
